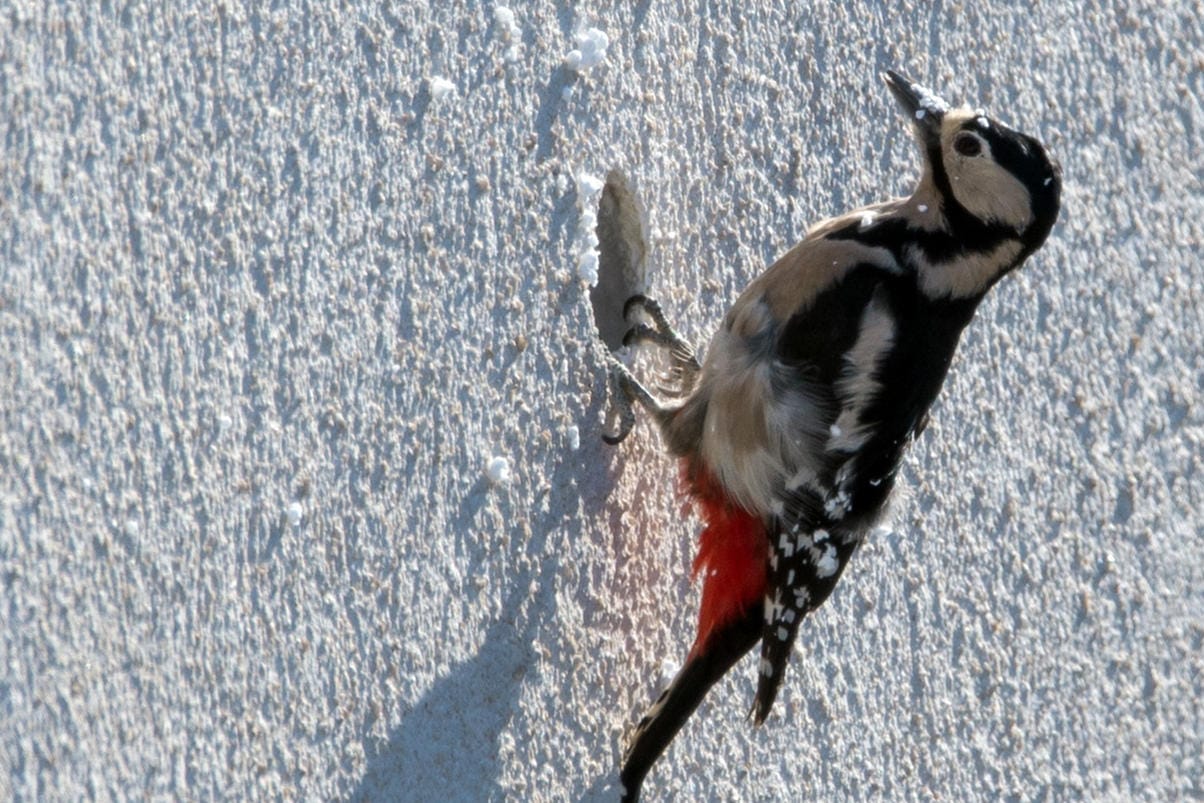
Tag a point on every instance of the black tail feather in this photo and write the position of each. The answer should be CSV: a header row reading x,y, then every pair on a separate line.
x,y
675,705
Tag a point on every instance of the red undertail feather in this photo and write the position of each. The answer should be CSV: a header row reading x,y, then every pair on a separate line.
x,y
731,559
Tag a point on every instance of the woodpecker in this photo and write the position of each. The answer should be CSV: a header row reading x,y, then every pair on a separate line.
x,y
791,433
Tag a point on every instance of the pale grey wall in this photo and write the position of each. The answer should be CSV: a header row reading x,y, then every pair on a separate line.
x,y
268,308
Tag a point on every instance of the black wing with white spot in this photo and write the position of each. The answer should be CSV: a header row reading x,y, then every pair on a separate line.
x,y
805,563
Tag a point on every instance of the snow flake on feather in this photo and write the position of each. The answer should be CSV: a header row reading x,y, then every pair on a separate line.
x,y
929,102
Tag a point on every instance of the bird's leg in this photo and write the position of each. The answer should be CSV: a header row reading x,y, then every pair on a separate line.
x,y
625,393
684,367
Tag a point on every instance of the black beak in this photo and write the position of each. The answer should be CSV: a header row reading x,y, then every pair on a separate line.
x,y
921,105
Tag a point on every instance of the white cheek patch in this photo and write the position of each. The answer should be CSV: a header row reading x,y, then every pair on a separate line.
x,y
987,191
979,183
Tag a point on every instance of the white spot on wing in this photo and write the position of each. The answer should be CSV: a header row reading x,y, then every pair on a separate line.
x,y
837,505
827,564
804,542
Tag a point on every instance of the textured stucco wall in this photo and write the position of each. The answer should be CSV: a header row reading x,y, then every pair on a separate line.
x,y
272,298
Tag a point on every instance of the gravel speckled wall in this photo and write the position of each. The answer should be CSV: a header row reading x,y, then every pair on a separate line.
x,y
278,286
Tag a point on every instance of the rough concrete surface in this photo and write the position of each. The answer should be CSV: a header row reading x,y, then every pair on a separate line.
x,y
278,282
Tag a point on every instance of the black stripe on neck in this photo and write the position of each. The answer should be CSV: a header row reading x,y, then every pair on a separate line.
x,y
937,246
974,233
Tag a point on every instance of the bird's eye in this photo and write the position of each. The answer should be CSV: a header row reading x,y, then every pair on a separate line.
x,y
967,145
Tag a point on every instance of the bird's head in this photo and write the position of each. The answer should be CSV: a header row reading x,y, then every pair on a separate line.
x,y
987,173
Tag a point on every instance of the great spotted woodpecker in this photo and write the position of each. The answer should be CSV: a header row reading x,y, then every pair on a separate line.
x,y
791,433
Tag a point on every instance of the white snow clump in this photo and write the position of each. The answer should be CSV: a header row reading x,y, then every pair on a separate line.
x,y
590,50
440,87
588,189
929,102
504,17
498,470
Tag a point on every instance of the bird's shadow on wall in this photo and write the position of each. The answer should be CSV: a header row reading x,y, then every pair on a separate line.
x,y
447,745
